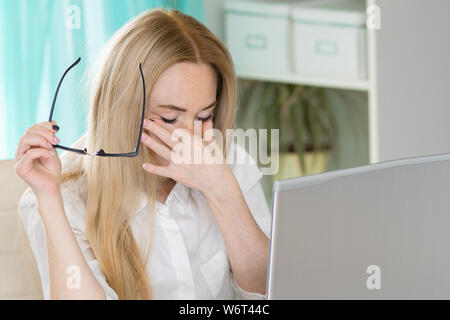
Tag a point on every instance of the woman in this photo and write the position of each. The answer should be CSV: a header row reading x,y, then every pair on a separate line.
x,y
146,227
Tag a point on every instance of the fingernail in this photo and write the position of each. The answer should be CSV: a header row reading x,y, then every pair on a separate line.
x,y
55,127
146,166
49,145
56,140
146,122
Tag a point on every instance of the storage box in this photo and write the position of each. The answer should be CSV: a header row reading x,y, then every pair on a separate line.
x,y
257,34
330,38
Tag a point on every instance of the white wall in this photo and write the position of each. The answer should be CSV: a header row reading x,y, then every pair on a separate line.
x,y
214,16
413,78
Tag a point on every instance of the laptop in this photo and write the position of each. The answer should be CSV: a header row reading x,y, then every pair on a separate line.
x,y
380,231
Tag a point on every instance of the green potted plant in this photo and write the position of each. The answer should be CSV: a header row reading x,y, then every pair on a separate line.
x,y
306,122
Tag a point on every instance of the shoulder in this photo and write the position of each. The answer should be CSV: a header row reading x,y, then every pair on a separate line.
x,y
244,167
74,206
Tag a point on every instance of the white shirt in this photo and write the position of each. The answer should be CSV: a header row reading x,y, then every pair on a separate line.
x,y
188,258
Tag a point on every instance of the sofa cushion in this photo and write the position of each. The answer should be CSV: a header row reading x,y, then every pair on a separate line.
x,y
19,278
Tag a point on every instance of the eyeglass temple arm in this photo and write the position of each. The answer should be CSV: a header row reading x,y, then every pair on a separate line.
x,y
102,153
70,149
59,85
143,109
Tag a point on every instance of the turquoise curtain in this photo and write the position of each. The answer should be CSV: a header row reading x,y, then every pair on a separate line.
x,y
39,40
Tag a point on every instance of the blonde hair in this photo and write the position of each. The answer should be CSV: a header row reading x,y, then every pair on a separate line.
x,y
159,39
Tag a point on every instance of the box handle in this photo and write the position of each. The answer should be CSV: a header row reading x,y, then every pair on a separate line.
x,y
326,48
256,41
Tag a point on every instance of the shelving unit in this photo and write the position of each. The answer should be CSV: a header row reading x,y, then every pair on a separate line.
x,y
353,138
292,78
408,108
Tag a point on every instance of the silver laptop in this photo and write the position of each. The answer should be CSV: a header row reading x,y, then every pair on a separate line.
x,y
380,231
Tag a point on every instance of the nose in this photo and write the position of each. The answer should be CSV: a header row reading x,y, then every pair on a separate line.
x,y
193,125
189,125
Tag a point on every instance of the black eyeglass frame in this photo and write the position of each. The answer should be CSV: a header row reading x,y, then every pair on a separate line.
x,y
101,152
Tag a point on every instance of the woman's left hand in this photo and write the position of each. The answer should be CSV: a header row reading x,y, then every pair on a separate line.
x,y
196,170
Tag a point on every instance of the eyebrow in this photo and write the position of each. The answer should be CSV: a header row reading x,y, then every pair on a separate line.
x,y
169,106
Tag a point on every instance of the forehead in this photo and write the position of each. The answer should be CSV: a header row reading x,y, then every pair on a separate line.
x,y
186,85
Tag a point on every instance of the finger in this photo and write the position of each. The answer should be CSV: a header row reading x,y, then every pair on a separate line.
x,y
50,125
163,134
32,140
25,164
45,132
158,170
156,146
208,125
168,126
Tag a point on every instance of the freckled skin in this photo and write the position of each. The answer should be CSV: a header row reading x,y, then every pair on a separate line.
x,y
191,86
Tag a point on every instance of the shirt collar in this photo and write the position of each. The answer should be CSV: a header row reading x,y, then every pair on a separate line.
x,y
179,192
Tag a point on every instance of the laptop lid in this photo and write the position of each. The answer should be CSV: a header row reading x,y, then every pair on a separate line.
x,y
380,231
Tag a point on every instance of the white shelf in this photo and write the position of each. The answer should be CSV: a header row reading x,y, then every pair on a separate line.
x,y
338,83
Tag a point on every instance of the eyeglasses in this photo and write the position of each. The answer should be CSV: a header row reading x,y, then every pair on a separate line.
x,y
101,152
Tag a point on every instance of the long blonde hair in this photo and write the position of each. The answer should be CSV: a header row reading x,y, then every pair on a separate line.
x,y
112,186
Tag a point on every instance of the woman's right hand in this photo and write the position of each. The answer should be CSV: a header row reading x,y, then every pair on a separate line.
x,y
37,162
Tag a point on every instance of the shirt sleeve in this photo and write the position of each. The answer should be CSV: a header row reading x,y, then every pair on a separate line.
x,y
249,177
34,229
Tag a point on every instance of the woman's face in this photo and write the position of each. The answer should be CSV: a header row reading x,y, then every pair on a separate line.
x,y
185,92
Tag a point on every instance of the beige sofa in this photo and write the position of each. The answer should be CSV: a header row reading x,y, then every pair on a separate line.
x,y
19,278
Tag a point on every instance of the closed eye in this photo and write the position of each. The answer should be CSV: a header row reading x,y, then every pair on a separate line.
x,y
172,121
205,119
